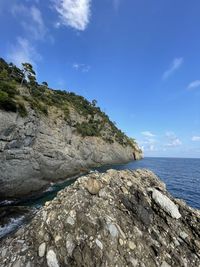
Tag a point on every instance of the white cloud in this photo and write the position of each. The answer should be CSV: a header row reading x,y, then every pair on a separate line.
x,y
147,134
195,138
176,64
81,67
73,13
23,51
31,20
194,84
148,144
173,140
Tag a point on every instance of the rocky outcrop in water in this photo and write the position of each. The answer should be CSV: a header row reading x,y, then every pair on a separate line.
x,y
118,218
36,150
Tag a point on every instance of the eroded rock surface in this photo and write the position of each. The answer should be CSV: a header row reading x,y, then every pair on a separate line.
x,y
37,150
125,218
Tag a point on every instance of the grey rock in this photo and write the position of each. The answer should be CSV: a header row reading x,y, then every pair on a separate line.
x,y
118,229
35,151
17,264
113,230
166,204
52,259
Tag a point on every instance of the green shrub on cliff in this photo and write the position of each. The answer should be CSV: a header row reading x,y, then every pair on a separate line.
x,y
88,129
6,103
19,89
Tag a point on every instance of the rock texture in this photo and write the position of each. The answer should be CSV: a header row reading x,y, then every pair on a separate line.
x,y
119,218
36,150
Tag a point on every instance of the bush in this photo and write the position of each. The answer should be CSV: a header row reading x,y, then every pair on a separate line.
x,y
6,103
88,129
21,109
9,88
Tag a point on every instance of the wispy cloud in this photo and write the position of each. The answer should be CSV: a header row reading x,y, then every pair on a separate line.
x,y
73,13
173,140
196,138
148,134
194,85
23,51
175,65
31,20
81,67
149,142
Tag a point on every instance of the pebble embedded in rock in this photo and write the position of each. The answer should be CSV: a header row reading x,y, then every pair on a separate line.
x,y
70,220
165,264
129,184
183,235
121,242
131,245
113,230
52,259
99,244
42,249
93,186
166,204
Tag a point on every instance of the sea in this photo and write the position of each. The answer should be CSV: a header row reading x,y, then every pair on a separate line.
x,y
181,176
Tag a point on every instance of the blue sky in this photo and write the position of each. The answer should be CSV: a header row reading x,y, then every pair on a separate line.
x,y
139,59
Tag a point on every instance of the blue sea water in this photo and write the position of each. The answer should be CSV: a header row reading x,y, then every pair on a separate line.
x,y
181,175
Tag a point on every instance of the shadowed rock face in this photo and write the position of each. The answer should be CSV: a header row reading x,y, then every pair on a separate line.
x,y
36,150
119,218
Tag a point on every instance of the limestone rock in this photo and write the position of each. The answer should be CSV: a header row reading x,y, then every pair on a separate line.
x,y
41,249
52,259
37,150
166,204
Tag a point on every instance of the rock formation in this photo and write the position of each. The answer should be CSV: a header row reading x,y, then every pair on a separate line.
x,y
118,218
37,150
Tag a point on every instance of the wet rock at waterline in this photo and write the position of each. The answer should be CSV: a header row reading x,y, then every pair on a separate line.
x,y
118,218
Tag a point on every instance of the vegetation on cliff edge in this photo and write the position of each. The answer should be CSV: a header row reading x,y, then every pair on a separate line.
x,y
19,91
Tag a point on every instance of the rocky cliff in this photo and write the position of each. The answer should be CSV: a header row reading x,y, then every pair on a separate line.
x,y
118,218
37,150
47,135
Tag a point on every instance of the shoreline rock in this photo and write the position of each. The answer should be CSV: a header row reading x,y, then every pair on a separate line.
x,y
117,218
37,150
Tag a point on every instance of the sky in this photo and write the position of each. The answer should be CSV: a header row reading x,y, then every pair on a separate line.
x,y
140,59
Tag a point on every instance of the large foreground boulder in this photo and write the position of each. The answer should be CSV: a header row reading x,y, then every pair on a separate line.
x,y
119,218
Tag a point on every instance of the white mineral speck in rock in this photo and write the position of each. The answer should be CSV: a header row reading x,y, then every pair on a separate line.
x,y
70,220
165,264
129,184
52,259
131,245
113,230
41,249
183,235
166,204
99,244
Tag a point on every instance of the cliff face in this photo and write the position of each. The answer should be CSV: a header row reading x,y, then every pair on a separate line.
x,y
47,135
124,218
37,149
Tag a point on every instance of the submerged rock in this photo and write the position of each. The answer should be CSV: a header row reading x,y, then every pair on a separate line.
x,y
118,218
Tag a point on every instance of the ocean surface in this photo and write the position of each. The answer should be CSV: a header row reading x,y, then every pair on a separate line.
x,y
182,177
